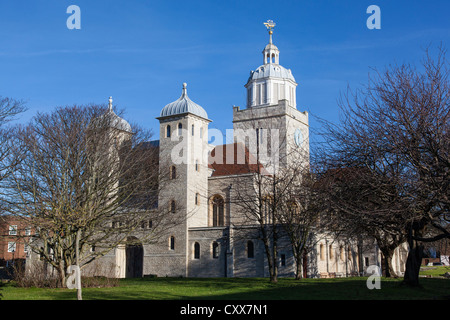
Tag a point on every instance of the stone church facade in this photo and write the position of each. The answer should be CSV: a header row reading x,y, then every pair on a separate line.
x,y
213,239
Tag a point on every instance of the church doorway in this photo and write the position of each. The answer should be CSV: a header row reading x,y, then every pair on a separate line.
x,y
134,258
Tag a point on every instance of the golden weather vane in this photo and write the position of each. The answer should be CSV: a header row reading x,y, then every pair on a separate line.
x,y
270,25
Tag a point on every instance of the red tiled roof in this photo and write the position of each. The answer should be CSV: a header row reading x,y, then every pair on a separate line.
x,y
232,159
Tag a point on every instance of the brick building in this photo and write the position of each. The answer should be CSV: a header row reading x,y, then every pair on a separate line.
x,y
14,236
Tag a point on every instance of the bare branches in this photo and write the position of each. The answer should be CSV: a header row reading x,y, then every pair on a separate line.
x,y
81,175
388,168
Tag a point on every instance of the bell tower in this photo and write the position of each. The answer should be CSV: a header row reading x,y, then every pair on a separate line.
x,y
271,120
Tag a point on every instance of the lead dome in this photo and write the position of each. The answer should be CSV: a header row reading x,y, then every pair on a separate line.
x,y
183,105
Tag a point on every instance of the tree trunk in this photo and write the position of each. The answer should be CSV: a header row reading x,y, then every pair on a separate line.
x,y
414,260
387,268
77,254
298,272
62,273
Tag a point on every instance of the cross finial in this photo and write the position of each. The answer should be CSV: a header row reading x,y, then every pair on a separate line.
x,y
270,25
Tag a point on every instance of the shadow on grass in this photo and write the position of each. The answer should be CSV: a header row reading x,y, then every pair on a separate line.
x,y
243,289
262,289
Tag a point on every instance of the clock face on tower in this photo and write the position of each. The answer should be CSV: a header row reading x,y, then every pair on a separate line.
x,y
298,137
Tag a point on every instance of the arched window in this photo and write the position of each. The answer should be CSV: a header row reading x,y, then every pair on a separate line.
x,y
173,172
250,249
341,251
267,203
196,165
168,131
197,199
172,243
331,252
180,129
193,130
196,250
215,250
322,252
218,216
173,206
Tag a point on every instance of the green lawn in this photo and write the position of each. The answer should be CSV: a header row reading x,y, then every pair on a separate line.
x,y
241,289
435,271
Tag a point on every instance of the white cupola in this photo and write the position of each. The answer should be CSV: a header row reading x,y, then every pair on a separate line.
x,y
271,82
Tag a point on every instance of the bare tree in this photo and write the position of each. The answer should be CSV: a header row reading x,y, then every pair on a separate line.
x,y
268,197
87,181
9,108
299,210
395,132
356,201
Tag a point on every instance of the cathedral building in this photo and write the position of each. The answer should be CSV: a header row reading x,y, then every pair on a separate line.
x,y
213,237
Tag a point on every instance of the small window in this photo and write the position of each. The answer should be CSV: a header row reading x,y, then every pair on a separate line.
x,y
196,250
366,261
331,252
215,250
172,243
173,172
196,165
28,231
168,131
180,129
250,249
193,128
12,230
197,199
11,247
173,206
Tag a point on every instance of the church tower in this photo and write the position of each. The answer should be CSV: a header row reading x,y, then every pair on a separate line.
x,y
271,120
184,178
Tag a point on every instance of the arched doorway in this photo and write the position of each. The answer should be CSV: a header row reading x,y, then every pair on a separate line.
x,y
134,257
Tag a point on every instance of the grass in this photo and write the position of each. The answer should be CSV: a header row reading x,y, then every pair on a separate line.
x,y
437,271
241,289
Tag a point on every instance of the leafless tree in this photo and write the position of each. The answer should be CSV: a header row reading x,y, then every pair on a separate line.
x,y
395,136
9,108
85,184
299,210
272,197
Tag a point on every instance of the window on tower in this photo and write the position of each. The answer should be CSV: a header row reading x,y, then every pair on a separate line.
x,y
168,131
172,243
173,172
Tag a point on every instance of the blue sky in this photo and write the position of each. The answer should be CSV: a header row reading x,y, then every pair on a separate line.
x,y
140,52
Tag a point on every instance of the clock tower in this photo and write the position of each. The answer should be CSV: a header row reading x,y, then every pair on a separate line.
x,y
271,126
